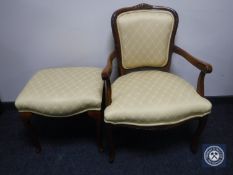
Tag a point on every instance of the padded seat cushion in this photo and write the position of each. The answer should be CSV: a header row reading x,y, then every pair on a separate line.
x,y
62,92
151,98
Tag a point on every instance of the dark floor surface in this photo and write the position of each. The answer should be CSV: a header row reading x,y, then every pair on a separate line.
x,y
68,147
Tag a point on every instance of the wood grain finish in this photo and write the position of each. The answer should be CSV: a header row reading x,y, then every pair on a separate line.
x,y
106,73
200,84
201,65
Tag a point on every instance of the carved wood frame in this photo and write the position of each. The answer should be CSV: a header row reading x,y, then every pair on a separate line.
x,y
106,73
122,70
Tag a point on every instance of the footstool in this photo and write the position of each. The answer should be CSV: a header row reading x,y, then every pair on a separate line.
x,y
62,92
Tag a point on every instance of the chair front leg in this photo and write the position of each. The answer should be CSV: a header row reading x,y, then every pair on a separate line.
x,y
110,142
26,118
99,132
196,137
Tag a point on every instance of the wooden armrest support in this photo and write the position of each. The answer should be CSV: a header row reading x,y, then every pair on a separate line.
x,y
201,65
106,73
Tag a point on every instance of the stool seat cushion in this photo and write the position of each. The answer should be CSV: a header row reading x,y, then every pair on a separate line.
x,y
152,98
62,92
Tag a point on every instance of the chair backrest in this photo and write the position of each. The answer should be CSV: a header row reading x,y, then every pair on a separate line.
x,y
144,36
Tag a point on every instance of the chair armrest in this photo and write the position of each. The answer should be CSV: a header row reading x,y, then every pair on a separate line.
x,y
201,65
106,73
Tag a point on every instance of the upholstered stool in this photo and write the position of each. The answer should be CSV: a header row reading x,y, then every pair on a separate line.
x,y
62,92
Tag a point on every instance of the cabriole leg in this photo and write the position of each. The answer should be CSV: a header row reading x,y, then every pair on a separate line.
x,y
110,143
195,140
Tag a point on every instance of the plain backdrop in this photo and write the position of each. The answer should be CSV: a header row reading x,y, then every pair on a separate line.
x,y
37,34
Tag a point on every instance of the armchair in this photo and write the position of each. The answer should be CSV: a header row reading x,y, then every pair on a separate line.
x,y
147,99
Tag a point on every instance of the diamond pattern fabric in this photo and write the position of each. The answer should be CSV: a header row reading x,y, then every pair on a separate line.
x,y
62,92
152,98
145,37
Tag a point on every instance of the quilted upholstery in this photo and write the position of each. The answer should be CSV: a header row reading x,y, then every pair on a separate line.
x,y
151,98
145,37
62,92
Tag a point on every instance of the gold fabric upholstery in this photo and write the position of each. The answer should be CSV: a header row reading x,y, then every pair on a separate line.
x,y
62,92
151,98
145,37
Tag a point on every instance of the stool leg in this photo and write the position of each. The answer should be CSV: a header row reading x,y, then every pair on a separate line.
x,y
98,116
26,118
201,125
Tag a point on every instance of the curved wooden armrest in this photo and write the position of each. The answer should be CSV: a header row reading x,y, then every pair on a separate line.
x,y
106,73
201,65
